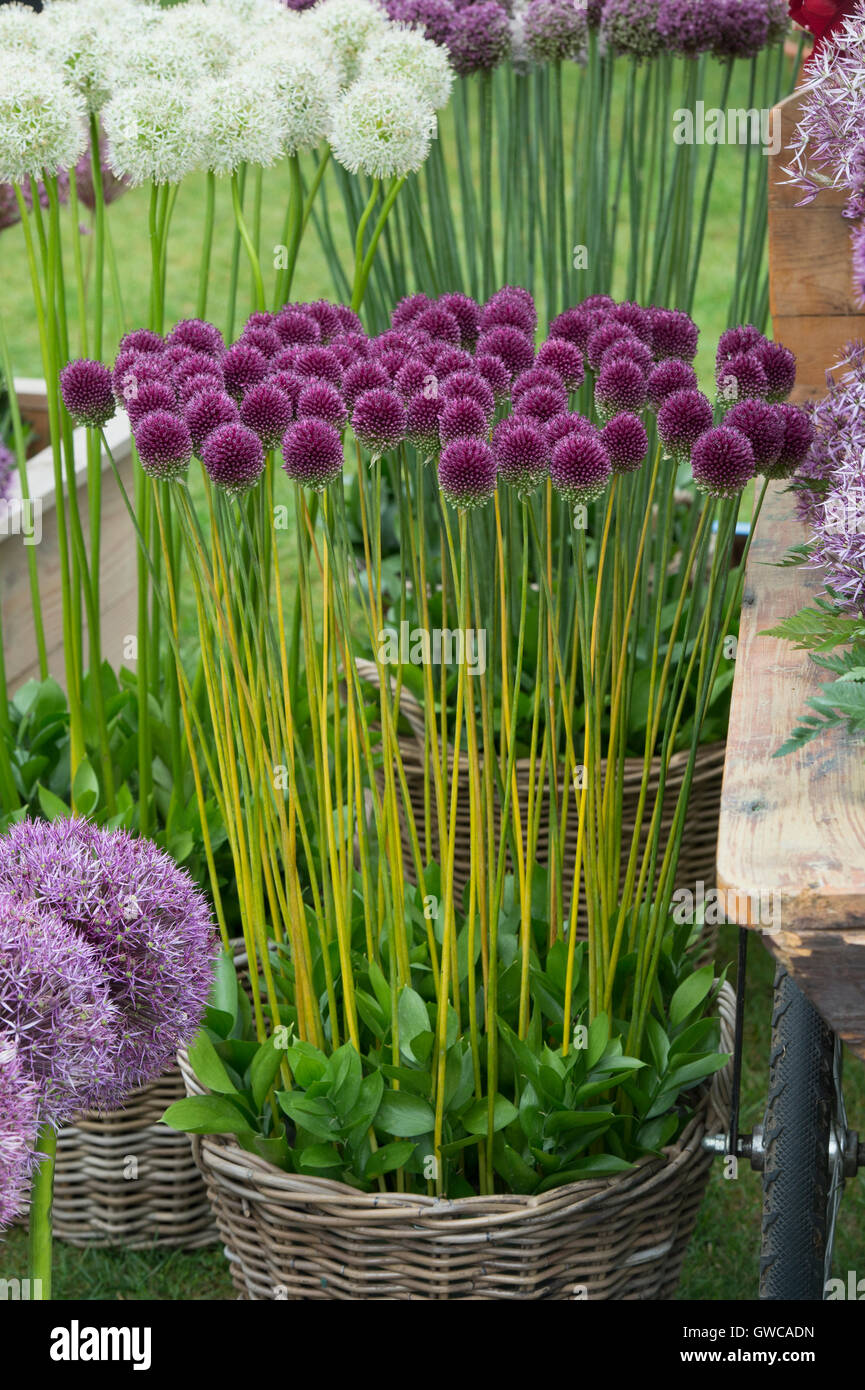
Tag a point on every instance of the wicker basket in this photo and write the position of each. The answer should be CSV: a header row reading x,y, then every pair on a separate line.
x,y
699,840
295,1237
122,1179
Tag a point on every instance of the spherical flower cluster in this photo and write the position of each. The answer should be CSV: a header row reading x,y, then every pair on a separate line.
x,y
669,376
209,408
154,131
19,1125
233,457
521,452
381,128
312,453
479,37
722,462
555,31
682,419
42,128
379,420
580,467
626,442
88,393
631,27
467,473
406,55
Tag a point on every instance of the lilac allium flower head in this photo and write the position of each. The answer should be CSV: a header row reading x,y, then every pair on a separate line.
x,y
407,310
414,376
633,349
688,27
479,38
626,441
284,360
779,364
682,419
175,353
621,385
379,420
19,1129
194,385
392,362
556,31
542,403
440,324
635,317
467,313
536,375
145,920
742,28
669,376
451,359
763,427
266,339
363,376
196,364
722,462
327,316
198,335
397,340
141,340
736,340
522,453
631,27
56,1005
741,377
422,423
206,411
349,321
132,369
322,401
511,310
577,326
493,370
296,328
674,334
580,467
233,457
312,453
243,366
467,469
514,348
164,444
88,393
462,418
318,362
269,412
604,337
563,358
798,437
434,17
471,385
569,423
153,395
597,303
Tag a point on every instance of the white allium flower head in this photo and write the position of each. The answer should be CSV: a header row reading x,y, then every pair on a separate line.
x,y
83,38
405,53
350,25
154,131
42,122
306,91
244,123
214,33
160,50
21,31
247,10
382,128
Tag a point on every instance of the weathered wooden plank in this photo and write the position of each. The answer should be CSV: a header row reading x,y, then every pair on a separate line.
x,y
819,345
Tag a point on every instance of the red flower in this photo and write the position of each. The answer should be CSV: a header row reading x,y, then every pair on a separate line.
x,y
822,17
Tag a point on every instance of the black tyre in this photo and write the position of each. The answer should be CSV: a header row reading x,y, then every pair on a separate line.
x,y
796,1131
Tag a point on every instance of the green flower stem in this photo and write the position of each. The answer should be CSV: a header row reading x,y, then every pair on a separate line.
x,y
248,243
41,1198
206,243
23,477
364,267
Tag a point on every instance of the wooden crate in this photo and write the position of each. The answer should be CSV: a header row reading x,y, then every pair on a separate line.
x,y
815,310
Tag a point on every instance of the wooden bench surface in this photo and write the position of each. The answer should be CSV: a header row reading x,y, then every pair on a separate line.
x,y
791,845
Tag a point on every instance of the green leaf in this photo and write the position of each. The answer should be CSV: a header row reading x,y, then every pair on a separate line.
x,y
307,1063
599,1035
85,788
596,1166
403,1115
389,1157
366,1106
318,1156
414,1020
344,1075
476,1118
380,987
207,1115
209,1067
223,991
312,1114
50,805
564,1121
265,1069
690,994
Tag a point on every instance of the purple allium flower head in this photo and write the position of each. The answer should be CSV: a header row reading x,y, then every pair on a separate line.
x,y
175,353
312,453
164,444
141,340
349,348
206,411
631,27
319,362
669,376
556,31
450,359
434,17
467,470
471,385
779,364
522,453
349,321
233,457
580,467
536,375
145,920
379,420
462,418
403,340
626,441
19,1129
479,38
266,339
243,366
722,462
422,423
674,334
290,384
414,376
296,329
88,393
742,28
798,437
510,309
736,340
740,378
196,364
467,313
392,362
132,369
408,309
633,349
198,335
563,358
194,385
153,395
635,317
328,318
597,303
513,347
269,412
7,468
322,401
494,371
440,324
763,427
568,423
577,325
363,376
621,385
542,403
605,337
682,419
56,1005
688,27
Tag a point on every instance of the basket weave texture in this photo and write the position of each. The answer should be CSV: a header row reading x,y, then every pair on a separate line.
x,y
295,1237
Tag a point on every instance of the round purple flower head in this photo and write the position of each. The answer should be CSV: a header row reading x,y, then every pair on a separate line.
x,y
569,423
243,366
621,385
323,401
536,376
268,411
669,376
88,393
19,1128
194,385
493,371
682,419
295,329
434,17
348,349
542,403
462,418
763,427
198,335
196,364
378,420
141,340
467,472
422,423
522,454
362,377
741,377
132,369
736,340
407,310
577,325
556,31
312,453
349,321
779,364
674,334
328,318
319,362
234,457
688,27
798,437
512,346
631,27
440,324
742,28
164,444
565,359
635,317
153,395
605,337
147,924
467,314
722,462
509,308
580,467
448,360
413,376
479,38
472,386
633,349
206,411
626,441
262,336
